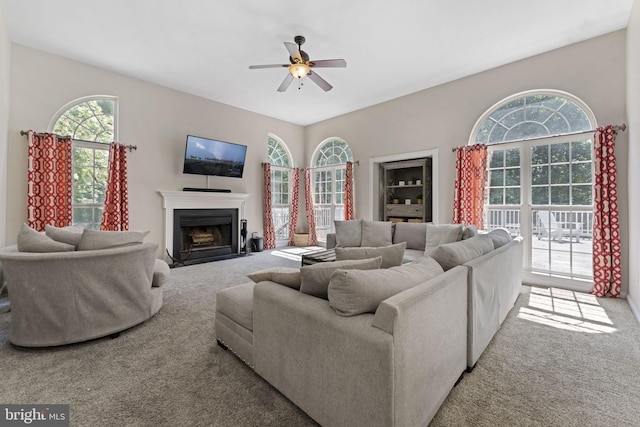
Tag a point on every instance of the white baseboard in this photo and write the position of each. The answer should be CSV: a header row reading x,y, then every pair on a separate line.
x,y
635,309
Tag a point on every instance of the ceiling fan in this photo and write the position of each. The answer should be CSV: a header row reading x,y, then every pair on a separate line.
x,y
300,66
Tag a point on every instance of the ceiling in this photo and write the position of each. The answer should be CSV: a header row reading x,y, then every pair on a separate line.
x,y
205,47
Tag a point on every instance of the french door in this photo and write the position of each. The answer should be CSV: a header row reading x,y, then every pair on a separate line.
x,y
328,198
542,190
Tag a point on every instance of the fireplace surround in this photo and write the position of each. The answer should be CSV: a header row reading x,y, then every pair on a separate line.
x,y
214,220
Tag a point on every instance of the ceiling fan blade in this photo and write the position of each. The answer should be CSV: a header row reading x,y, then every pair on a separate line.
x,y
329,63
285,83
319,81
255,67
293,51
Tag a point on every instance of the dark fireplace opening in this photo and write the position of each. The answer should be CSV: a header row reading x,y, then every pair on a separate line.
x,y
203,235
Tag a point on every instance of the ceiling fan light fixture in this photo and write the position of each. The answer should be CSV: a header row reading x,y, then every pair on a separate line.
x,y
299,70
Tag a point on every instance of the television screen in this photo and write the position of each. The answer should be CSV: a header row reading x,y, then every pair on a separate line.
x,y
206,156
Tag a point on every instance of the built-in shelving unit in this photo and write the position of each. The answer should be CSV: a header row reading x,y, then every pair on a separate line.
x,y
406,190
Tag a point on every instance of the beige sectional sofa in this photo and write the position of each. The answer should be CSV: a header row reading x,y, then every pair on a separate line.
x,y
387,345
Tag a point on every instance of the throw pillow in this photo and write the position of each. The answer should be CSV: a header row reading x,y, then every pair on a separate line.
x,y
70,235
287,276
439,234
376,233
457,253
355,292
94,239
316,277
348,233
414,233
392,255
469,231
500,237
30,240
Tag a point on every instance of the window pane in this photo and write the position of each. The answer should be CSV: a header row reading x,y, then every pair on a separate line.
x,y
512,176
560,153
581,150
582,195
540,175
559,174
540,154
496,196
540,195
560,195
497,178
581,173
497,159
512,157
512,196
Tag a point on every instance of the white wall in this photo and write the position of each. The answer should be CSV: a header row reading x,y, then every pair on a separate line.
x,y
443,117
154,118
5,82
633,112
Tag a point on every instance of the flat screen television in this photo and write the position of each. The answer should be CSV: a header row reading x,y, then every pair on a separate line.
x,y
204,156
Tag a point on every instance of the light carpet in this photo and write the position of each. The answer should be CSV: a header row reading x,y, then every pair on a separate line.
x,y
560,359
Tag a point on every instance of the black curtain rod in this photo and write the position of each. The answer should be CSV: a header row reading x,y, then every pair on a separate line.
x,y
618,128
25,133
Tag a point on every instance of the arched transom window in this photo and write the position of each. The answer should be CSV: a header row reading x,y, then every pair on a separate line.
x,y
91,122
539,180
281,163
329,161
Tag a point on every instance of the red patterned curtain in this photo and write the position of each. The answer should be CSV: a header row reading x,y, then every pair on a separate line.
x,y
308,196
267,215
295,203
468,197
348,192
607,274
115,216
49,181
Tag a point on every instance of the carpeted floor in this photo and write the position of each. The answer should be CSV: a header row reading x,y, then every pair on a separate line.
x,y
560,359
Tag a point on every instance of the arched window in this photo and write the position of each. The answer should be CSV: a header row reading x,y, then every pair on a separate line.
x,y
329,163
539,179
280,159
91,122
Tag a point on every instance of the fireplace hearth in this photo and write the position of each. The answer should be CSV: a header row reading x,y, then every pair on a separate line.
x,y
204,235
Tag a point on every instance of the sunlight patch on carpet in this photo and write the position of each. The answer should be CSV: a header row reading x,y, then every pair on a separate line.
x,y
568,310
295,253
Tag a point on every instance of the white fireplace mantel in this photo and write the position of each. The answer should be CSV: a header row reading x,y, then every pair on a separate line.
x,y
197,200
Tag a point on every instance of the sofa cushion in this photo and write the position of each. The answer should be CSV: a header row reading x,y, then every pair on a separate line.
x,y
355,292
94,239
287,276
500,237
236,303
348,233
414,233
376,233
439,234
392,255
161,272
70,235
316,277
30,240
469,231
457,253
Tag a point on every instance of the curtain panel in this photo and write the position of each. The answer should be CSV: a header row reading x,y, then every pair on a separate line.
x,y
294,206
348,192
308,196
267,215
49,187
607,272
468,197
115,216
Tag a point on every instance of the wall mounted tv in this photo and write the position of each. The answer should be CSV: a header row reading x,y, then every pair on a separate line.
x,y
204,156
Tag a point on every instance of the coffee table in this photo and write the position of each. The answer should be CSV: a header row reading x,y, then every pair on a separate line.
x,y
323,256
